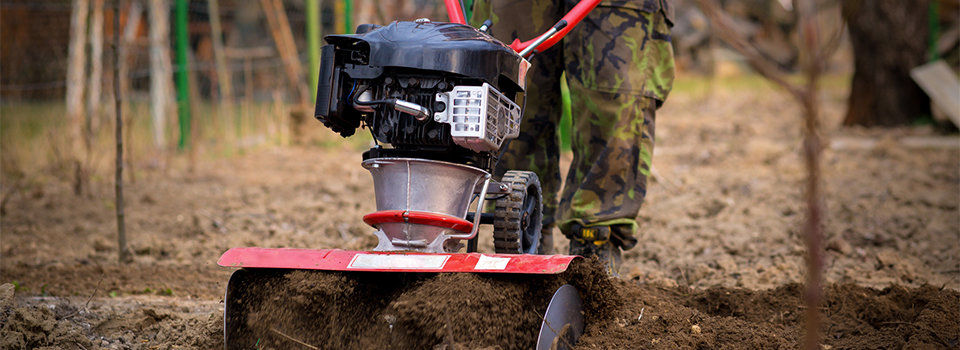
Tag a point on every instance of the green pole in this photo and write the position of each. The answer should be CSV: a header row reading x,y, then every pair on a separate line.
x,y
467,9
566,115
347,16
313,44
933,23
183,67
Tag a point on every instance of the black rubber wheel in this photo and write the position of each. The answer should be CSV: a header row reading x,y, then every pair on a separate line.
x,y
518,215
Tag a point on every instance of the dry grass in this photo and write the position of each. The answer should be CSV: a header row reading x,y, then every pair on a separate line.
x,y
33,137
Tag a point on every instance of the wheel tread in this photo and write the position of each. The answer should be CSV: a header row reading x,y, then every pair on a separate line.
x,y
507,235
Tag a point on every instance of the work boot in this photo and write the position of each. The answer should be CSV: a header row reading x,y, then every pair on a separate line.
x,y
595,241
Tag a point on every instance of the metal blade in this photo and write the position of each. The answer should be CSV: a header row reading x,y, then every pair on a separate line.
x,y
234,324
563,321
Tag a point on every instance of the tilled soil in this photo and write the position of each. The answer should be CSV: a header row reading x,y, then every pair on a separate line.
x,y
404,311
326,310
720,249
133,322
408,311
854,317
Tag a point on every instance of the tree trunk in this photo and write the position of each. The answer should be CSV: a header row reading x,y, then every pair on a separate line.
x,y
889,38
134,14
75,86
124,255
95,82
283,38
161,70
75,70
223,73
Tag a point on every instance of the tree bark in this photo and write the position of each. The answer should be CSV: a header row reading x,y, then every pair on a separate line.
x,y
889,38
75,70
283,37
161,70
95,82
76,73
223,73
134,16
123,255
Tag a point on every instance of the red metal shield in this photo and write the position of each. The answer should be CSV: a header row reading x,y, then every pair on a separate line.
x,y
346,260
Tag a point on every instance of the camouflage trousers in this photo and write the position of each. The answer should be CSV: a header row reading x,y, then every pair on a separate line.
x,y
619,67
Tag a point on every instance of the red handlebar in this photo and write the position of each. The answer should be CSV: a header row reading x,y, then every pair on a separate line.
x,y
455,12
573,17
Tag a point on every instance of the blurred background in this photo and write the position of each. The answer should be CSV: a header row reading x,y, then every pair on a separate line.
x,y
202,78
213,78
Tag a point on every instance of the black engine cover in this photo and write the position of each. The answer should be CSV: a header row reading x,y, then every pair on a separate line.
x,y
412,62
444,47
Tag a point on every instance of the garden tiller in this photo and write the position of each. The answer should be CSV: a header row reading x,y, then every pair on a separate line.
x,y
442,100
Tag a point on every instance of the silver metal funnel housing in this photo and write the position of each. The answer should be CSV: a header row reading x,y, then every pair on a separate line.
x,y
426,186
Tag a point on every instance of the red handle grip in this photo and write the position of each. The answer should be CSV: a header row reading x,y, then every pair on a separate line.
x,y
573,18
455,12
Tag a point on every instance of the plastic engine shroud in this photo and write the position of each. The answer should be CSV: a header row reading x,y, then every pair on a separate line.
x,y
444,47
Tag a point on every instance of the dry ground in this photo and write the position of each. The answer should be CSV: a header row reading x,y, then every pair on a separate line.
x,y
724,211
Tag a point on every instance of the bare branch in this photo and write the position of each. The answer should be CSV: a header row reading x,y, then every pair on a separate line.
x,y
723,28
124,255
812,61
831,45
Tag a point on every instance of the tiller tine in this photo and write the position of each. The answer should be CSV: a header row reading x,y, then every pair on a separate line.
x,y
563,321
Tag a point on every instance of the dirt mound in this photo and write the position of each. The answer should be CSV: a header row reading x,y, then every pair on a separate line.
x,y
466,311
376,310
854,318
404,311
196,281
39,328
65,323
152,328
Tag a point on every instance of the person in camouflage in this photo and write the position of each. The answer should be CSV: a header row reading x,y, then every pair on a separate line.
x,y
619,67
